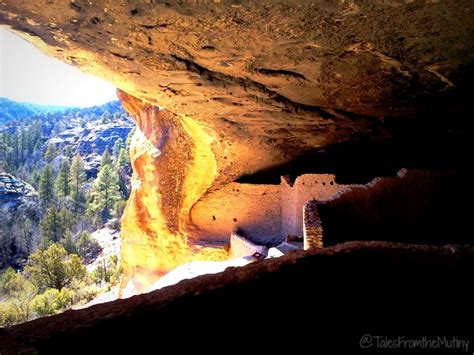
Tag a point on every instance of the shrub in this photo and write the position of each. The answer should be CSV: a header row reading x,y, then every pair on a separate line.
x,y
8,314
86,293
52,301
54,268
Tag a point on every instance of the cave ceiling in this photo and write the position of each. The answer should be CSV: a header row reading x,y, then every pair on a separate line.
x,y
268,80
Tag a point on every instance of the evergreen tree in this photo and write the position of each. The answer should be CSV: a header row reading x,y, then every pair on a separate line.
x,y
16,150
77,178
38,146
46,186
122,160
51,226
106,158
118,146
87,247
50,153
36,134
35,177
56,224
67,220
68,153
105,192
22,144
123,169
62,181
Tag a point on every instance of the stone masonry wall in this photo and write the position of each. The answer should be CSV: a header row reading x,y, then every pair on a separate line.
x,y
254,209
313,229
294,196
264,213
241,247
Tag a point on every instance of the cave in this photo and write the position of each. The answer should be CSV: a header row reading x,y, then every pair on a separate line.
x,y
339,124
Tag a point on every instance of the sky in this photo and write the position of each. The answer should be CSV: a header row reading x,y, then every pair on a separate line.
x,y
27,75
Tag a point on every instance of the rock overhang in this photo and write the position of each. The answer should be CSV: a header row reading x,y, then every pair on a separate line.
x,y
246,86
251,69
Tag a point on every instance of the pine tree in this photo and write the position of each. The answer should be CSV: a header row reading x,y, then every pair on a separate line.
x,y
36,134
51,228
46,188
50,153
118,146
62,181
22,145
16,150
35,177
105,192
68,153
122,160
38,146
106,158
67,220
123,168
77,178
56,224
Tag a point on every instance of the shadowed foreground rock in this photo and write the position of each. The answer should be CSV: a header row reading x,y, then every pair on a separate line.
x,y
328,298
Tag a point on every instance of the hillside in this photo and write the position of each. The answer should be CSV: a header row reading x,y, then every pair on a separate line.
x,y
12,110
55,168
64,181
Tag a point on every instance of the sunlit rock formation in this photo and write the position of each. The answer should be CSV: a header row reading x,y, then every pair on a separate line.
x,y
173,167
245,86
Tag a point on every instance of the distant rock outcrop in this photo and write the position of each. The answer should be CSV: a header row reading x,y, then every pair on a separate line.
x,y
92,140
14,192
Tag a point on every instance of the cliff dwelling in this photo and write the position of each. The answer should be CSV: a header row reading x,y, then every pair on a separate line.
x,y
332,133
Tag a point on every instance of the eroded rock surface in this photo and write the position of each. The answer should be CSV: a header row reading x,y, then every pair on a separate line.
x,y
92,140
267,79
14,192
246,86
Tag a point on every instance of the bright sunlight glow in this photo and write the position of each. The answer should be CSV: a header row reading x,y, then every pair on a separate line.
x,y
27,75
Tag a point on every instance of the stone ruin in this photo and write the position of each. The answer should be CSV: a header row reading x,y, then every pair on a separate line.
x,y
291,206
